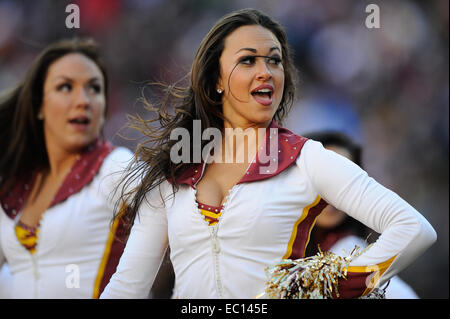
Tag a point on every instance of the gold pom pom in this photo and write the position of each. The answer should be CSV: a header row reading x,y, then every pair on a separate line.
x,y
314,277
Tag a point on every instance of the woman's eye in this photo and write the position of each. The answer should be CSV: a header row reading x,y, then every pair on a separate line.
x,y
247,60
65,87
274,60
96,88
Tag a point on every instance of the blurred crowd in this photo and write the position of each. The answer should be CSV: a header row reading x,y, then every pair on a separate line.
x,y
385,87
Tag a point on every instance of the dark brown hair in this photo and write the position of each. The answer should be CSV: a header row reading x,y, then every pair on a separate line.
x,y
199,100
21,133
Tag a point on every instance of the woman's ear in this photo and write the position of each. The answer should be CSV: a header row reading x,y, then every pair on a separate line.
x,y
40,115
219,86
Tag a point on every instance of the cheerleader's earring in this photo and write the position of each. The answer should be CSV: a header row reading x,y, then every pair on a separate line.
x,y
219,91
40,116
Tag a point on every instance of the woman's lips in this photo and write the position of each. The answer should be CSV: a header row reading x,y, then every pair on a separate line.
x,y
263,94
265,99
80,124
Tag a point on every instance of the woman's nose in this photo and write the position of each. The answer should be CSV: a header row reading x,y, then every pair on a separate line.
x,y
82,98
263,71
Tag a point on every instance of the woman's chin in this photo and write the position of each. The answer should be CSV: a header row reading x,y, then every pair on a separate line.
x,y
79,144
262,119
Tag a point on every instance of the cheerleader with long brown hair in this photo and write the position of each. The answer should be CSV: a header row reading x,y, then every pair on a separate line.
x,y
57,176
227,221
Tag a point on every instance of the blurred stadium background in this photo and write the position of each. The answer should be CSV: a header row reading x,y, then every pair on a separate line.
x,y
388,88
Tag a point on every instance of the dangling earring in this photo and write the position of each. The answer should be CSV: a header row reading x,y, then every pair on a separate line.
x,y
219,91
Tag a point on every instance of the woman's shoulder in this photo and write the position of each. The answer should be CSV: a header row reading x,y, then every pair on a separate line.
x,y
115,167
311,148
119,158
313,156
319,161
121,152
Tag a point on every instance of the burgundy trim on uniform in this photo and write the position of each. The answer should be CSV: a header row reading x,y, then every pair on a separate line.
x,y
289,147
353,286
81,174
303,231
190,175
84,170
14,200
117,247
209,208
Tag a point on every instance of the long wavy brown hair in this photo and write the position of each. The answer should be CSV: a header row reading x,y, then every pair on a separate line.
x,y
198,100
21,133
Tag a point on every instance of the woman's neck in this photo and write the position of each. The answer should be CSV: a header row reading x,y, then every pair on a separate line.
x,y
240,144
60,161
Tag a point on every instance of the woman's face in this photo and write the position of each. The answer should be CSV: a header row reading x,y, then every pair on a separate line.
x,y
73,103
251,77
330,216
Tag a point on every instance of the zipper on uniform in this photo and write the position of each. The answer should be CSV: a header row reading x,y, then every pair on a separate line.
x,y
216,250
36,275
33,260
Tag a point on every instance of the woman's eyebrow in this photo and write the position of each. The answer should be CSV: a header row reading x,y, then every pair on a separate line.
x,y
62,77
69,79
255,51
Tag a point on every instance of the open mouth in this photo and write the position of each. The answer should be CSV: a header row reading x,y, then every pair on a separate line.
x,y
263,94
80,121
